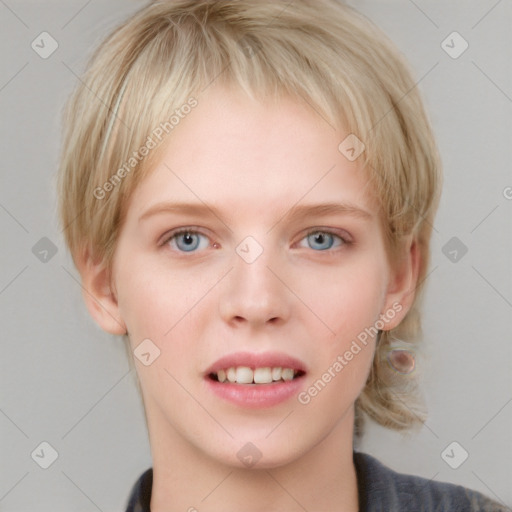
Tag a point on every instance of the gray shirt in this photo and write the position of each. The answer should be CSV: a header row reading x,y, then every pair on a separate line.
x,y
380,489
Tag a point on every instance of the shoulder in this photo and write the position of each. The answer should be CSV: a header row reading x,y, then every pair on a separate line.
x,y
382,489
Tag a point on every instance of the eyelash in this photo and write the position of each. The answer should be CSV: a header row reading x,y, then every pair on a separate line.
x,y
193,231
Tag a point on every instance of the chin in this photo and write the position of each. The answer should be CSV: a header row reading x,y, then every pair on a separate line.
x,y
260,453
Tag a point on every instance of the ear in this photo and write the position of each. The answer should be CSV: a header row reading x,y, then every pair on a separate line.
x,y
99,297
403,283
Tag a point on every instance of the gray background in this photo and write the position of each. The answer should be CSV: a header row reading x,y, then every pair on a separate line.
x,y
66,382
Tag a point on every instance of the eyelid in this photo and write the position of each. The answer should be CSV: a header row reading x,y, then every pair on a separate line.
x,y
193,230
340,233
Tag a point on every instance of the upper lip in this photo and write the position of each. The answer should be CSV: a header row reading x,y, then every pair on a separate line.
x,y
255,360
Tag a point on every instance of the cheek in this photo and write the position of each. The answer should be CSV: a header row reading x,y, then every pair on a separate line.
x,y
152,300
172,308
346,299
349,303
169,309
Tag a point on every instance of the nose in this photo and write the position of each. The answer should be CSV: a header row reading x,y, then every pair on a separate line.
x,y
255,294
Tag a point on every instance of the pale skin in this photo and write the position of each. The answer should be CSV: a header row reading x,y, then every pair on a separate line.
x,y
305,296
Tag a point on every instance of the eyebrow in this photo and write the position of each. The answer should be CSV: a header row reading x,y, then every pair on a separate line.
x,y
297,211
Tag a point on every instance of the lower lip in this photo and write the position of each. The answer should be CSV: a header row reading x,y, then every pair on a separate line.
x,y
255,396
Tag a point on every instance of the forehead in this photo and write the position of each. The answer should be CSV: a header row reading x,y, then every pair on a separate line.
x,y
258,156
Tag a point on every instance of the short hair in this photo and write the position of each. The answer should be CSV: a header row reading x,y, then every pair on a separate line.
x,y
150,71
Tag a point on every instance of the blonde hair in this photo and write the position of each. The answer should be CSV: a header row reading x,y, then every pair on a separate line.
x,y
150,71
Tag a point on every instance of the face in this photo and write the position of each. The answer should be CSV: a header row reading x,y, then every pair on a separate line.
x,y
252,258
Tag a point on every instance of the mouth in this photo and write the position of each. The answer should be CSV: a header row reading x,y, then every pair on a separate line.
x,y
263,375
250,380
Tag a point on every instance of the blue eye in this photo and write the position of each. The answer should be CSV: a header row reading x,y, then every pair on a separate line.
x,y
186,240
323,240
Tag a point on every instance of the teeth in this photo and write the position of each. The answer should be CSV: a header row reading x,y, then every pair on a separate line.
x,y
246,375
287,374
231,374
262,375
276,373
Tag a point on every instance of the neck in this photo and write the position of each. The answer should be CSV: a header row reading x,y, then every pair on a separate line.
x,y
324,478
